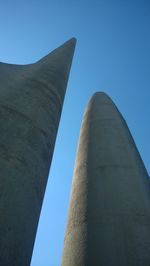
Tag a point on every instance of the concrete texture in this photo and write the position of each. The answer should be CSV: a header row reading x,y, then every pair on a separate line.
x,y
31,100
109,215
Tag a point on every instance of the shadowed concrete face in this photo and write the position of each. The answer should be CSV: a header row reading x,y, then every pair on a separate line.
x,y
31,99
109,215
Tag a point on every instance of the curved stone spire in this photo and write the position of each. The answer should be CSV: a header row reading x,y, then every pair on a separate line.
x,y
109,215
31,100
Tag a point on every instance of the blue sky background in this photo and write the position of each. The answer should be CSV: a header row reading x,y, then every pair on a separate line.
x,y
112,55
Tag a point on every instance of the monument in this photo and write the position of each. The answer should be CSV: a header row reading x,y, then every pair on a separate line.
x,y
109,214
31,100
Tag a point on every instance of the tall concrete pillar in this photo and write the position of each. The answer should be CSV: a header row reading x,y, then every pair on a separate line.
x,y
109,215
31,100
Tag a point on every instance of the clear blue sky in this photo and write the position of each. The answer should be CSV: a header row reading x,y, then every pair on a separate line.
x,y
112,55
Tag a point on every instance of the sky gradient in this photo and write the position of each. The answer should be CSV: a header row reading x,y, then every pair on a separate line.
x,y
112,55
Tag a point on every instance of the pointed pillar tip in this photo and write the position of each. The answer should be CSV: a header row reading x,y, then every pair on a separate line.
x,y
100,94
72,41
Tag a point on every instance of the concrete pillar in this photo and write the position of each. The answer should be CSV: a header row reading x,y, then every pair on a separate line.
x,y
109,215
31,100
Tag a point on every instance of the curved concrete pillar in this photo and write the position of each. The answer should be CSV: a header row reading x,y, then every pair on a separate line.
x,y
109,215
31,100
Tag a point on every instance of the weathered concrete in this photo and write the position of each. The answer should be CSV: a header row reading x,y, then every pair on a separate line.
x,y
109,216
31,99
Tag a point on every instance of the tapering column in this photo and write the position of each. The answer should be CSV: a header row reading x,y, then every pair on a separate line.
x,y
31,100
109,215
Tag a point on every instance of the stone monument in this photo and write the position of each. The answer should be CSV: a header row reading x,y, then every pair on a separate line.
x,y
109,215
31,100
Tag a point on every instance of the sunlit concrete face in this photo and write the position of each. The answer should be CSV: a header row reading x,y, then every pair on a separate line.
x,y
31,99
109,214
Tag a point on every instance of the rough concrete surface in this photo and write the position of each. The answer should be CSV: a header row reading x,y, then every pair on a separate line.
x,y
31,99
109,214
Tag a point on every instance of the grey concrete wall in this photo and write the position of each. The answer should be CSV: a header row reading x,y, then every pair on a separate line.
x,y
109,215
31,100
